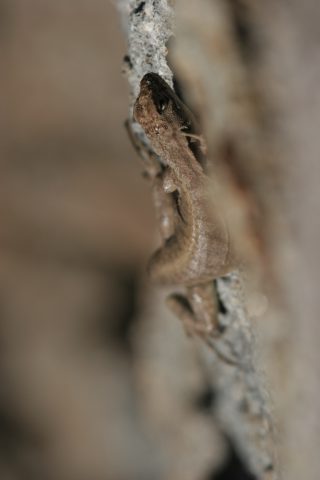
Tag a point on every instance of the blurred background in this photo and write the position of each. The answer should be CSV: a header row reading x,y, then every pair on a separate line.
x,y
71,196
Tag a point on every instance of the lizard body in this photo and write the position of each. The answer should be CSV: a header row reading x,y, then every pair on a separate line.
x,y
196,245
199,249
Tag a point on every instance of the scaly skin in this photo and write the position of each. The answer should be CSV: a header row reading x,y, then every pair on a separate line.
x,y
199,249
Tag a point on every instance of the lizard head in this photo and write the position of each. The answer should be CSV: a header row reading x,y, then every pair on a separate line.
x,y
160,112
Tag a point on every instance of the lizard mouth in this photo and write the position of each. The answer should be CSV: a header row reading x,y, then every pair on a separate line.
x,y
141,108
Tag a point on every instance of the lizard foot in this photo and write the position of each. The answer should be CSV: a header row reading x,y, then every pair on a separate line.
x,y
180,306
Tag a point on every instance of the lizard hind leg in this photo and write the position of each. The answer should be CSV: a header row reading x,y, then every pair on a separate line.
x,y
180,307
204,302
197,320
197,310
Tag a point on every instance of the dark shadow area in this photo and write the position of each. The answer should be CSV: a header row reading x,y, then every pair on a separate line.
x,y
233,468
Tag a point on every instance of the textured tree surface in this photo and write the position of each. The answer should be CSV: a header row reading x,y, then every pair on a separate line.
x,y
98,379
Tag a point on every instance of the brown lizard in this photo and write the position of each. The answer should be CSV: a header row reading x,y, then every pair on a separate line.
x,y
196,244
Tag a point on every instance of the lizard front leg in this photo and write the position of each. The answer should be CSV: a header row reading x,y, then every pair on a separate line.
x,y
164,206
155,173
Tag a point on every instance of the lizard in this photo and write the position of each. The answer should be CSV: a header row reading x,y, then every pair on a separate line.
x,y
196,243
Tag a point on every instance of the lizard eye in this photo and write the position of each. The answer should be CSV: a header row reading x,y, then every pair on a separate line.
x,y
162,103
